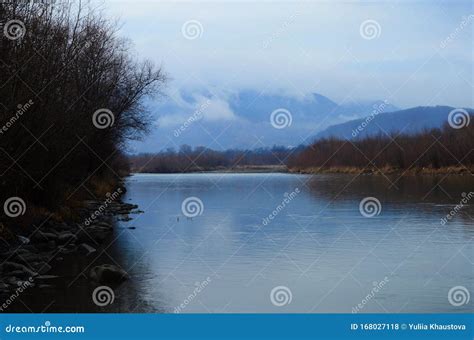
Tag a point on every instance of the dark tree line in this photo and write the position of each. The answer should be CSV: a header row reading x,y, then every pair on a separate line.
x,y
446,147
188,159
60,64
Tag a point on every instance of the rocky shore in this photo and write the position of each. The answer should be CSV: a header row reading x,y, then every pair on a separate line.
x,y
32,260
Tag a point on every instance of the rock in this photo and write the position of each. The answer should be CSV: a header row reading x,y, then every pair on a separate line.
x,y
86,249
108,274
126,218
96,232
23,239
43,267
46,286
46,277
40,236
12,266
65,237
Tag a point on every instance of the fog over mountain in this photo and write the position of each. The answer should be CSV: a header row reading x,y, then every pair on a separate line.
x,y
244,119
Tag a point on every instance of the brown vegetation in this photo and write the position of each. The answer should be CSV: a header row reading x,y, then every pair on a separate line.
x,y
188,159
445,150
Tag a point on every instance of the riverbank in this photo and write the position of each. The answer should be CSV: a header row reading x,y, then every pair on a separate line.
x,y
57,254
452,170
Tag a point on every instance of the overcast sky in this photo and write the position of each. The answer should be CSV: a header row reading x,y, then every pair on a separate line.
x,y
418,53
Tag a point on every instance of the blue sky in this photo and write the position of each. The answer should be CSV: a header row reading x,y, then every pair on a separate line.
x,y
311,46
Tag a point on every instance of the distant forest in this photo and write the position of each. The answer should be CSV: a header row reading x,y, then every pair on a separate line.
x,y
436,148
432,149
188,159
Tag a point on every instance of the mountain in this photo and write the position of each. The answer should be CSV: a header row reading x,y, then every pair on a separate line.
x,y
408,121
243,119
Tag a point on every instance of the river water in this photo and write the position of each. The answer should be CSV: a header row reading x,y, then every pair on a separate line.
x,y
320,251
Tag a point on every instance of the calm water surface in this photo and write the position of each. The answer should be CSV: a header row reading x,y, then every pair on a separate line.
x,y
319,246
